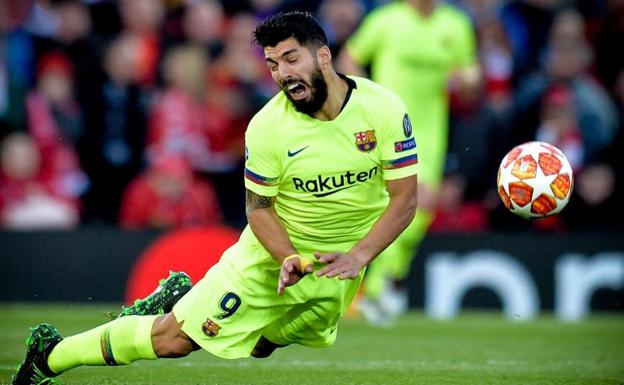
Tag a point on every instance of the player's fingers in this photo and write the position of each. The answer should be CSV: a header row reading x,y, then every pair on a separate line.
x,y
323,271
284,276
330,270
280,286
322,257
333,273
349,274
308,269
335,268
326,269
326,257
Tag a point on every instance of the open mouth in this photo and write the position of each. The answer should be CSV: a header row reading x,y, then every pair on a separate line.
x,y
297,90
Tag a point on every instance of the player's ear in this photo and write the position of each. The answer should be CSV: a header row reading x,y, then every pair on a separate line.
x,y
324,56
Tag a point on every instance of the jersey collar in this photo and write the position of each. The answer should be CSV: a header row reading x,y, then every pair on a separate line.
x,y
352,85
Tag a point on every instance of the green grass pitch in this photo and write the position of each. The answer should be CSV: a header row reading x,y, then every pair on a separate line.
x,y
476,348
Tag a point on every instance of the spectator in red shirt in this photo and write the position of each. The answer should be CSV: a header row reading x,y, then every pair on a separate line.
x,y
55,123
182,122
29,197
453,213
168,195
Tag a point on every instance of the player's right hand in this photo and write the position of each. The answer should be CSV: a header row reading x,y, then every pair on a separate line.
x,y
293,269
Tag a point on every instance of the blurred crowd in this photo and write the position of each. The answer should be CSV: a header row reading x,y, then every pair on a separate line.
x,y
133,112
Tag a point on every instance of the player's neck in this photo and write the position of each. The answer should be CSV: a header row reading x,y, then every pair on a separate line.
x,y
424,8
337,89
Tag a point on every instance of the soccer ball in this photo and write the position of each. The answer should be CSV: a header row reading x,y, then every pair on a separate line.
x,y
535,180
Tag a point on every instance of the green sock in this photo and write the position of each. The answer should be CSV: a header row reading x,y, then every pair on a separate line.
x,y
118,342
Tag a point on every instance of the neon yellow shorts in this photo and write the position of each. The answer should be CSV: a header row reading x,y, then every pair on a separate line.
x,y
236,302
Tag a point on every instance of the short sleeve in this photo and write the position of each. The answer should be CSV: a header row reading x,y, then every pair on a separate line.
x,y
262,169
365,42
399,157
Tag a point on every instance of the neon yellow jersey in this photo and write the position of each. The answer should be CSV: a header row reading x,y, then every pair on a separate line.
x,y
413,56
329,176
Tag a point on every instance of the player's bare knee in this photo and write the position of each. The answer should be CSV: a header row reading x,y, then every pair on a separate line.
x,y
168,339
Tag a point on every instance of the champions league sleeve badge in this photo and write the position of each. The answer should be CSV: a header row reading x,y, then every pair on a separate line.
x,y
407,126
365,140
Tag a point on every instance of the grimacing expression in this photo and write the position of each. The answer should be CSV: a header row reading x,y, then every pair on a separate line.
x,y
296,70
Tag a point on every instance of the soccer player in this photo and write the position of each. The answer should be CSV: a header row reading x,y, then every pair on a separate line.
x,y
331,181
417,48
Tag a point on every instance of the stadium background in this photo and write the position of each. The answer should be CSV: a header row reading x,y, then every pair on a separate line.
x,y
121,128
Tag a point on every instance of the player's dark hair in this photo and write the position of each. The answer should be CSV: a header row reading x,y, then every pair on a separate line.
x,y
301,25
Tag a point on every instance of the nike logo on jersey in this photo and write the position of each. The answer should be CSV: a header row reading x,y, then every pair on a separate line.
x,y
293,153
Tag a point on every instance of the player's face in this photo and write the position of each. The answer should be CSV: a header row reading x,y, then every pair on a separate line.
x,y
296,70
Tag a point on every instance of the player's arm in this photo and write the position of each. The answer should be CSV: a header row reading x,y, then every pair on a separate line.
x,y
262,171
269,230
267,226
262,175
395,218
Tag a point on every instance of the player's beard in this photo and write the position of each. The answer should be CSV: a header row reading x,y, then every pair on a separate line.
x,y
318,94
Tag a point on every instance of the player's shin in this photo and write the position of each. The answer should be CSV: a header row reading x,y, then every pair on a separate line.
x,y
119,342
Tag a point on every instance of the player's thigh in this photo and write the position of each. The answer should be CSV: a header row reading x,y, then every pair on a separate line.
x,y
223,315
315,322
311,325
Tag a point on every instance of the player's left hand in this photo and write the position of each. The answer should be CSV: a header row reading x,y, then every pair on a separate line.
x,y
341,265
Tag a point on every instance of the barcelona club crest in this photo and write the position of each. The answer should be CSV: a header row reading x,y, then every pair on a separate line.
x,y
365,140
210,328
